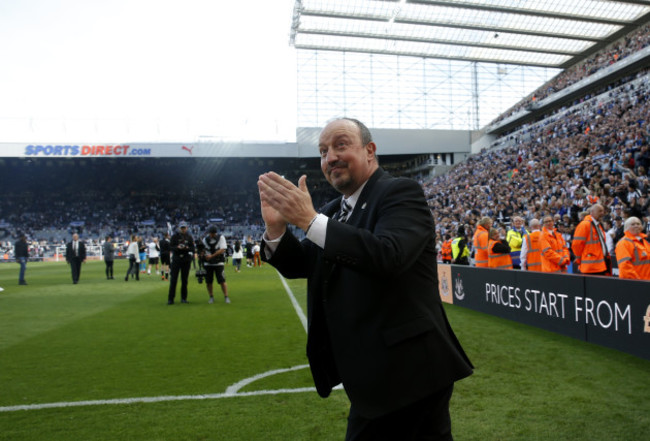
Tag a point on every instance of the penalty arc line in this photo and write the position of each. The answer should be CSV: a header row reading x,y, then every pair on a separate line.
x,y
151,399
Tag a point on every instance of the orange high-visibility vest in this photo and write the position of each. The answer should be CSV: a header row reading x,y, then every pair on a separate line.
x,y
445,250
555,254
480,242
498,260
534,253
587,247
633,256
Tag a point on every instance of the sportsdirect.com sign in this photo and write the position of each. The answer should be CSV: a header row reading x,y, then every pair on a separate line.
x,y
85,150
602,310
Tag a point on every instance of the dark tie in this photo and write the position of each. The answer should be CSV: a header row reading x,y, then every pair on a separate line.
x,y
342,214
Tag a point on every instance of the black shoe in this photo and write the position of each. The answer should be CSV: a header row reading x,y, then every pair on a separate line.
x,y
22,283
184,301
170,302
126,279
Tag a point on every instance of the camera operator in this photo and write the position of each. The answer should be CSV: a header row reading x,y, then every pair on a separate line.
x,y
182,247
200,254
215,261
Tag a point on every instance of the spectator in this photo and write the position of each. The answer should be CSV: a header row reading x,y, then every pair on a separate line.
x,y
21,253
109,251
133,254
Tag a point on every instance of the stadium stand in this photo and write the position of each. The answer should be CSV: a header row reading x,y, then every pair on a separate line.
x,y
594,149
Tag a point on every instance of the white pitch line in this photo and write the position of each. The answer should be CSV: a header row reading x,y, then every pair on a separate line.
x,y
152,399
294,302
231,391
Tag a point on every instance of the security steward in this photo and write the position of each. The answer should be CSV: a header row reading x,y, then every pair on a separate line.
x,y
182,247
445,250
498,251
459,250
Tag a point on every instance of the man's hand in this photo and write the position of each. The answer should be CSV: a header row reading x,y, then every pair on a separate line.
x,y
282,202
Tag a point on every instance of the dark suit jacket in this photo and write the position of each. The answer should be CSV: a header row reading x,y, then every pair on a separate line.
x,y
81,251
376,322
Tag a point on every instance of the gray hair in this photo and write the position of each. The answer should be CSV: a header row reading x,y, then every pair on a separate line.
x,y
366,136
534,223
628,222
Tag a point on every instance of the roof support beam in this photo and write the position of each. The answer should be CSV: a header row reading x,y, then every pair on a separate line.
x,y
388,52
443,24
435,41
520,11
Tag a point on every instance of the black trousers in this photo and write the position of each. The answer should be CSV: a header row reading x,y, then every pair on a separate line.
x,y
424,420
109,268
134,268
75,267
182,266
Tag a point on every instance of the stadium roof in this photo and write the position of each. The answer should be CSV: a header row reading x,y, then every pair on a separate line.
x,y
551,33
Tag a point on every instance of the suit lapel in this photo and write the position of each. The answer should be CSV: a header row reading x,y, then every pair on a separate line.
x,y
362,202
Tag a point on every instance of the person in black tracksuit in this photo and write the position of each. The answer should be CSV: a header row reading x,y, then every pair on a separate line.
x,y
182,247
165,254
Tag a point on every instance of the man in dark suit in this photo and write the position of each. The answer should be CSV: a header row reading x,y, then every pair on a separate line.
x,y
182,247
376,322
75,255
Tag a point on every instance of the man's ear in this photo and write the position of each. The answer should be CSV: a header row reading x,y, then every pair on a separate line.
x,y
371,150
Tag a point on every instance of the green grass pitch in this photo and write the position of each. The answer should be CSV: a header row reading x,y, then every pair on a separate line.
x,y
109,360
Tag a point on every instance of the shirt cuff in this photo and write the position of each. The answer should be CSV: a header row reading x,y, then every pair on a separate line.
x,y
318,230
271,245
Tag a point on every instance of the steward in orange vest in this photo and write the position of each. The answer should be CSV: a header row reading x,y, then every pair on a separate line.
x,y
555,254
480,243
589,244
633,252
445,250
498,252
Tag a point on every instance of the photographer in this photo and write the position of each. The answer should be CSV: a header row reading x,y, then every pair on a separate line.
x,y
182,247
215,261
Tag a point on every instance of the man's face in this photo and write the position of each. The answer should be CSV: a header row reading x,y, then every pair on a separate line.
x,y
548,223
75,237
597,212
635,227
345,161
517,222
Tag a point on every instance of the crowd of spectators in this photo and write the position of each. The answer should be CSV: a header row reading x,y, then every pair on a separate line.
x,y
617,51
49,200
595,152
